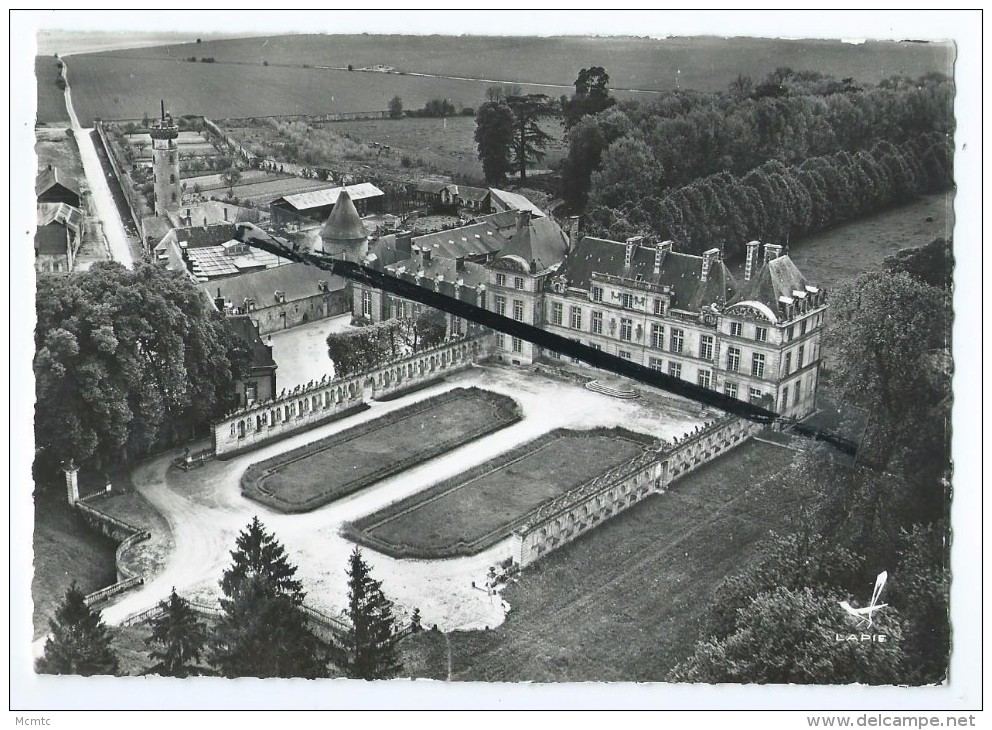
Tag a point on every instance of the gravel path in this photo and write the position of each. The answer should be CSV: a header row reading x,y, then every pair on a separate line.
x,y
205,509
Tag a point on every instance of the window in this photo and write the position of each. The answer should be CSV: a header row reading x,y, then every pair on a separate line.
x,y
659,306
733,359
736,329
758,365
626,329
657,336
367,304
795,395
173,197
597,293
500,303
675,369
518,310
730,389
754,395
675,341
556,310
597,323
626,300
575,318
518,283
790,332
785,397
655,363
703,378
555,355
594,346
761,334
517,344
625,354
802,328
706,347
501,340
251,393
500,279
456,326
800,356
172,179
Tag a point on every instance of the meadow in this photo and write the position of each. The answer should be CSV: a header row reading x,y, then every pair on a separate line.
x,y
51,99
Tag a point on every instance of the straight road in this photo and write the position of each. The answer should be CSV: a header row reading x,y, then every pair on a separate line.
x,y
103,201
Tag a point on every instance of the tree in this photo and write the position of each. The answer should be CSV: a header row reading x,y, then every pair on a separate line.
x,y
125,359
501,92
494,140
263,630
370,644
790,636
592,96
628,171
395,107
586,143
529,140
80,642
232,176
177,638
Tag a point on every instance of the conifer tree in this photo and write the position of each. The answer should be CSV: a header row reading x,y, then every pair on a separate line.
x,y
80,642
371,641
178,637
263,631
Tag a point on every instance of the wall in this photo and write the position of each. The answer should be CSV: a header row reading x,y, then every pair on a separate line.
x,y
123,180
300,311
119,531
560,521
318,402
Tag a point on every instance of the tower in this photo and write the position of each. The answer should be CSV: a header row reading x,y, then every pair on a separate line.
x,y
343,236
165,163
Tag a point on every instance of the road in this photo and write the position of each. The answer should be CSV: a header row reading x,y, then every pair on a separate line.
x,y
102,199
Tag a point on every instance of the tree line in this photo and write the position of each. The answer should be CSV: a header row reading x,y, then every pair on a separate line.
x,y
772,202
372,346
262,630
779,620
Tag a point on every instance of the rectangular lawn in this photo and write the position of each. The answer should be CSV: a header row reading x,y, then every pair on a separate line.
x,y
318,473
476,509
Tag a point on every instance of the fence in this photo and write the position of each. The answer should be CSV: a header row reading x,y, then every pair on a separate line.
x,y
126,535
319,402
563,519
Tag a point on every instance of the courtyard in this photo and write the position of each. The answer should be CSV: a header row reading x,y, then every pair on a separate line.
x,y
341,464
476,509
205,508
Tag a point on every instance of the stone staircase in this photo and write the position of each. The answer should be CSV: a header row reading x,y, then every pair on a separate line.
x,y
615,388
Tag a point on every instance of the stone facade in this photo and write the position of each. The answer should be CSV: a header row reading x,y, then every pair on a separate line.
x,y
308,406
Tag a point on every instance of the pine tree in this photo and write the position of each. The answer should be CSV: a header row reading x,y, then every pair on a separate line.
x,y
80,642
371,640
178,637
263,631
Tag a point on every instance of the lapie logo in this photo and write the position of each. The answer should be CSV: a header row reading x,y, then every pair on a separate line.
x,y
865,616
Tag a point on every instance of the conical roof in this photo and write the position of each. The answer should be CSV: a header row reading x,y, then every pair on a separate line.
x,y
344,223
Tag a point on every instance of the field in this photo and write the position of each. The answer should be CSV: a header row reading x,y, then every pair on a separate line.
x,y
318,473
476,509
129,83
623,602
51,99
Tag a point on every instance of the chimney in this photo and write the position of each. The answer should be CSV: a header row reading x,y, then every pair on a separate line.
x,y
772,252
426,254
225,215
459,263
204,221
219,301
523,219
573,232
659,254
162,102
708,258
403,241
751,261
631,247
49,166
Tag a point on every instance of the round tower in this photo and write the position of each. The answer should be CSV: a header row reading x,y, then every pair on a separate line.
x,y
343,235
165,163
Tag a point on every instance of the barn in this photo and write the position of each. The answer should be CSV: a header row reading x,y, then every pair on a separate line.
x,y
316,205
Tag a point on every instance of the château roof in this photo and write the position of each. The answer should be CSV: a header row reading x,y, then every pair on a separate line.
x,y
777,278
246,330
538,240
344,223
442,275
514,201
296,281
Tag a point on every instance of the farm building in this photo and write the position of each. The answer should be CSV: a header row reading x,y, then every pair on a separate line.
x,y
282,297
206,253
54,186
429,193
260,383
464,196
503,200
57,238
316,205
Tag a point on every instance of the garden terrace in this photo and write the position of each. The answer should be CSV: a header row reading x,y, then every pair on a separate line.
x,y
313,475
478,508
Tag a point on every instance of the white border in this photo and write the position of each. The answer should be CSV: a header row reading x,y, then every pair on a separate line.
x,y
30,692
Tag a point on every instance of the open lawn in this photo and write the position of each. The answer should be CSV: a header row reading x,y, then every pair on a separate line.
x,y
66,549
56,146
318,473
623,602
473,510
51,99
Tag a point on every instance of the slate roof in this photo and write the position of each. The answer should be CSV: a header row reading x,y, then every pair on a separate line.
x,y
515,201
466,192
329,196
480,239
502,221
212,210
434,188
344,223
680,271
470,277
247,332
52,176
540,241
60,214
200,237
296,281
776,278
51,240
